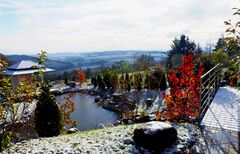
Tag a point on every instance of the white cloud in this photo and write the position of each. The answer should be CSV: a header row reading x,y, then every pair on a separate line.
x,y
110,24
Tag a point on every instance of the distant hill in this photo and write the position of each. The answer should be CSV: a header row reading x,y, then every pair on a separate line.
x,y
105,58
65,61
55,64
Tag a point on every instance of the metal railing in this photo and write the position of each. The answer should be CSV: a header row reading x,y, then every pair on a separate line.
x,y
209,83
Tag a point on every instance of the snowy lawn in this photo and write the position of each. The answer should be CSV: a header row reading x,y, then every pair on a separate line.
x,y
109,140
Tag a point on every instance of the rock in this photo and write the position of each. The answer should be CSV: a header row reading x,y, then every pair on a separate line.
x,y
152,117
72,130
101,125
97,99
117,123
130,122
149,101
128,141
223,83
127,121
141,119
155,136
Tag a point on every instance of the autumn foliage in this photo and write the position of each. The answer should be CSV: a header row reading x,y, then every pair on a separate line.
x,y
67,108
81,76
181,105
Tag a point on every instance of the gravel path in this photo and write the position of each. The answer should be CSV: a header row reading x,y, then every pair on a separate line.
x,y
107,141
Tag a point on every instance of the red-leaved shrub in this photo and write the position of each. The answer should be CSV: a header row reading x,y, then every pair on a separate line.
x,y
181,105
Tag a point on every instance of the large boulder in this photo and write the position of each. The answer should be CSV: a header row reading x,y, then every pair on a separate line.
x,y
155,135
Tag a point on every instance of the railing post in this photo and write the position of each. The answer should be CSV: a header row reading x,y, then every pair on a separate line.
x,y
214,83
200,104
219,75
209,87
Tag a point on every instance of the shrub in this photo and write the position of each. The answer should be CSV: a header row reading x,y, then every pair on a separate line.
x,y
220,57
160,76
81,76
231,75
66,81
207,62
182,102
110,79
5,140
67,109
94,81
232,44
100,83
48,117
156,80
137,81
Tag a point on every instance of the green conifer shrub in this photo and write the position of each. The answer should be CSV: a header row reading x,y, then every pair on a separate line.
x,y
48,117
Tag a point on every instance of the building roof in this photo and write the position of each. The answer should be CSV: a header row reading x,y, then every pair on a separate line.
x,y
24,67
24,64
24,71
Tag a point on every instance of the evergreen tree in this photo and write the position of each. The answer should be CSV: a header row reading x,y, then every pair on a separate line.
x,y
88,72
139,85
147,81
94,81
138,81
107,80
159,75
114,79
100,82
128,82
220,44
48,117
132,80
163,82
198,50
128,86
122,82
179,47
207,62
65,74
73,78
111,79
127,77
66,80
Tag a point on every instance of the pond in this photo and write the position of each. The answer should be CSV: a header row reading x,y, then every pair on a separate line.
x,y
88,114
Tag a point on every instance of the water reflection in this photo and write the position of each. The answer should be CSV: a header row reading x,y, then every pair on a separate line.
x,y
88,114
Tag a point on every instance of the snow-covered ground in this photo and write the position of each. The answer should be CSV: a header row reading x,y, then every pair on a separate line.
x,y
157,103
107,141
224,111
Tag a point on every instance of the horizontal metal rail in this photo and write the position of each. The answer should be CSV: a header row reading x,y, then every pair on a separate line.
x,y
209,83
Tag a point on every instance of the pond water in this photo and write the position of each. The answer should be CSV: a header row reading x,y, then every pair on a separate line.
x,y
88,114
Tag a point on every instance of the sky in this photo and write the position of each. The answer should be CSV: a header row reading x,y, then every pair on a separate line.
x,y
28,26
